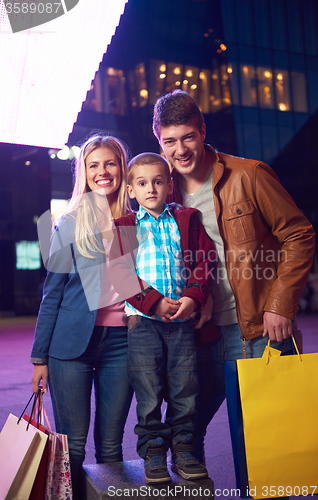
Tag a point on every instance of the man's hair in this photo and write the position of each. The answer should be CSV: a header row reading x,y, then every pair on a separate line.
x,y
176,108
147,159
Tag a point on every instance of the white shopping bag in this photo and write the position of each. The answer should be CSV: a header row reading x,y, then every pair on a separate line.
x,y
21,449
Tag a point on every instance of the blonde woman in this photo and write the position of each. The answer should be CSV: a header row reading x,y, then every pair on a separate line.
x,y
81,335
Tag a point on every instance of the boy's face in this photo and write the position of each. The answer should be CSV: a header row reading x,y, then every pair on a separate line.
x,y
183,147
150,186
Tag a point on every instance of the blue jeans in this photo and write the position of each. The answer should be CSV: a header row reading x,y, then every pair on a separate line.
x,y
162,366
104,365
211,374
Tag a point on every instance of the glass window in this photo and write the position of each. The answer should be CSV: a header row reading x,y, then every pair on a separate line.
x,y
107,93
215,91
174,77
233,79
244,18
229,24
252,141
310,12
141,85
278,25
191,80
312,90
299,99
262,33
28,255
157,77
282,90
204,90
269,142
225,86
265,87
248,85
294,16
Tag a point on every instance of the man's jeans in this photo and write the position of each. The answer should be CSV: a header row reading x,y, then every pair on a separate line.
x,y
162,365
211,359
103,364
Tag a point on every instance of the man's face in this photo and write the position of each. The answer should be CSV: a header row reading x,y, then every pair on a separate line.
x,y
183,147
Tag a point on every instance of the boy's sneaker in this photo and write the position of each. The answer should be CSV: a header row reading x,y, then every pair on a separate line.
x,y
156,462
184,463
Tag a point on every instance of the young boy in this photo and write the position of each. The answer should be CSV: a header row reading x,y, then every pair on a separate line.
x,y
174,258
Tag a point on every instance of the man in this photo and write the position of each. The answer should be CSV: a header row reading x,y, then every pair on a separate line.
x,y
264,243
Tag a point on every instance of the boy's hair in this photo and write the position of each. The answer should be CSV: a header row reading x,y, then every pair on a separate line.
x,y
147,159
175,108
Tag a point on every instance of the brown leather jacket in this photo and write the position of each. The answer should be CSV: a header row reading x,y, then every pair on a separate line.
x,y
268,242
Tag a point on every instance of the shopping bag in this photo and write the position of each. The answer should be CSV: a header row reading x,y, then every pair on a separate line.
x,y
235,417
278,396
38,488
21,449
53,479
58,479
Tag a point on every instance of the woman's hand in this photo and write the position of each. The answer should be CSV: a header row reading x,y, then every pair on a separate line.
x,y
40,372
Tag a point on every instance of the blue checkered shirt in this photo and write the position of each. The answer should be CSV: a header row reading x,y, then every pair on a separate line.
x,y
159,259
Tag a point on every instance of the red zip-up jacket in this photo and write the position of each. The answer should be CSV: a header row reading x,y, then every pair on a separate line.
x,y
199,258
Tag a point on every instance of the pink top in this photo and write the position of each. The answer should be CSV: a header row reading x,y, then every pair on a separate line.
x,y
111,310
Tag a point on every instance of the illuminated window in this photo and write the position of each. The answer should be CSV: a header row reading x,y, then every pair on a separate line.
x,y
115,92
138,86
269,88
248,85
282,90
190,82
157,84
225,86
174,76
215,91
265,87
27,255
204,91
107,93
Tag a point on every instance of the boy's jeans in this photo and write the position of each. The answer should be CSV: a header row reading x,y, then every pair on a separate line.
x,y
162,366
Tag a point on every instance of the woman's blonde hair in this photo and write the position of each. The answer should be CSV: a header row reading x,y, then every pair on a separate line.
x,y
82,207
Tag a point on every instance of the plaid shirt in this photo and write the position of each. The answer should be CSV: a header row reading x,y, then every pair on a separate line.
x,y
159,259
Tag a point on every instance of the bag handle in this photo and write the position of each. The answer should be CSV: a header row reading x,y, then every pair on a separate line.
x,y
295,345
38,412
35,396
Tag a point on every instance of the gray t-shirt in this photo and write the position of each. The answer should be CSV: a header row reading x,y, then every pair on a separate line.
x,y
224,308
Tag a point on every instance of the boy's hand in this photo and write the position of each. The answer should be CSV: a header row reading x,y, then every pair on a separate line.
x,y
206,313
166,308
185,310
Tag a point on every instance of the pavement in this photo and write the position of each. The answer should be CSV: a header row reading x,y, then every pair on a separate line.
x,y
15,389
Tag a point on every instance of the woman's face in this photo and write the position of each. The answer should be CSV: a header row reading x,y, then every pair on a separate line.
x,y
103,171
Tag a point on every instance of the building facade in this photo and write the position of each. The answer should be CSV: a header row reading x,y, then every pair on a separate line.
x,y
252,67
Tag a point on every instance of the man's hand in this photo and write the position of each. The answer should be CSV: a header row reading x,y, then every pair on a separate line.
x,y
166,308
206,313
40,372
185,310
277,327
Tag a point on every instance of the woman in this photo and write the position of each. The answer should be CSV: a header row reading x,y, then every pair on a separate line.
x,y
81,335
